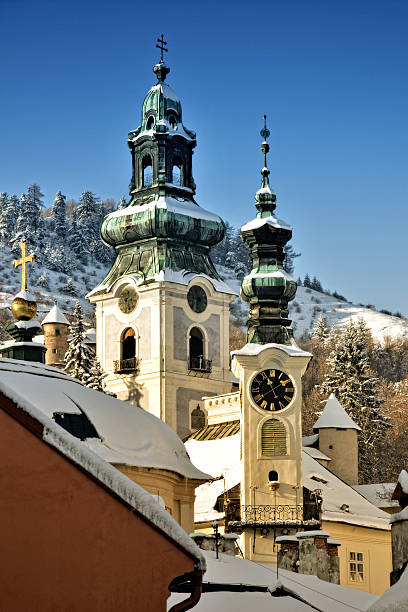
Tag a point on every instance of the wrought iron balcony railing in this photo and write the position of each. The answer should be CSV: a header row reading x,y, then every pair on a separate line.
x,y
262,515
124,366
199,364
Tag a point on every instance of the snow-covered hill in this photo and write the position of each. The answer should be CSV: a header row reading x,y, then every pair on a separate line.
x,y
48,286
308,305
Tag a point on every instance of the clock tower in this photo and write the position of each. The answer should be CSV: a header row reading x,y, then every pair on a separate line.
x,y
269,368
162,312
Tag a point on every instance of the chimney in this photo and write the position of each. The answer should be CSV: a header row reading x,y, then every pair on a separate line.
x,y
310,552
399,529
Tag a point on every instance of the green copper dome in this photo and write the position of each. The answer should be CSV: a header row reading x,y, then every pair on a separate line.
x,y
268,287
163,228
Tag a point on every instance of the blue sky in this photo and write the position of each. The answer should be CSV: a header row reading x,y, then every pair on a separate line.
x,y
331,76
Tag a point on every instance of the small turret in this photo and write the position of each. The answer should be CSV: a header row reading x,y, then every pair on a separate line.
x,y
338,439
268,287
55,326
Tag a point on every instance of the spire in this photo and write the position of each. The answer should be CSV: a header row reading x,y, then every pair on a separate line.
x,y
265,198
268,287
160,69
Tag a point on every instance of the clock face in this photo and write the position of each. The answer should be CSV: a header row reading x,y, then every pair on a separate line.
x,y
197,298
272,390
128,300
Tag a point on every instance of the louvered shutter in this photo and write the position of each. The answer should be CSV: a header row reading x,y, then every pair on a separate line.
x,y
273,438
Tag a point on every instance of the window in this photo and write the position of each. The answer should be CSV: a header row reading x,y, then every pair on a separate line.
x,y
273,438
147,171
356,567
150,123
273,476
197,418
173,122
177,172
57,331
128,344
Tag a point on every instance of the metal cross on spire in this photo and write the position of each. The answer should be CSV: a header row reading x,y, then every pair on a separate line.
x,y
162,46
265,133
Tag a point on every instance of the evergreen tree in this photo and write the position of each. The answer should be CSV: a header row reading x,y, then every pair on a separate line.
x,y
96,377
351,380
8,216
122,203
307,281
316,285
34,204
59,216
76,243
290,255
79,357
320,331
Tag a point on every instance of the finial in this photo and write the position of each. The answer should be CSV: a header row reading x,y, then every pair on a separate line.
x,y
23,306
265,133
160,69
162,47
23,261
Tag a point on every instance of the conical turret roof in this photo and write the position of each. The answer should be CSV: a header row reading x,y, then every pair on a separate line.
x,y
55,316
334,416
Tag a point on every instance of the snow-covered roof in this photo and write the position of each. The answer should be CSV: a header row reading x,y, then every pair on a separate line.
x,y
172,204
55,316
316,453
310,440
336,493
260,221
128,434
77,452
335,416
221,458
379,493
395,599
403,481
304,592
254,349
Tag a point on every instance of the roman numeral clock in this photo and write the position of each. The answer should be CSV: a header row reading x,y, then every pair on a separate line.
x,y
272,390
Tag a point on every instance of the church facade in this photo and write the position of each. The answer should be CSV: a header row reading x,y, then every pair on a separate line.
x,y
162,311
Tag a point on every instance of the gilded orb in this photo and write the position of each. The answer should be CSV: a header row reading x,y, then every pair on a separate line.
x,y
22,309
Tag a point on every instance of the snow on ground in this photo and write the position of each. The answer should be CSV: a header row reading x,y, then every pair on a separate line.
x,y
309,304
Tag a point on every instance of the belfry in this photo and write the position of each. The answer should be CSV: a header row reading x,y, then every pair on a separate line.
x,y
162,311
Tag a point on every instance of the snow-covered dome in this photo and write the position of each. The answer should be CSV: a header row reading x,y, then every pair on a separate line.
x,y
119,432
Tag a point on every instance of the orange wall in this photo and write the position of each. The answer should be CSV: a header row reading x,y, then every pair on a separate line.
x,y
69,545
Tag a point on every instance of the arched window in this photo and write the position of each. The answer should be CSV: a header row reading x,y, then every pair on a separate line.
x,y
128,343
273,438
173,122
273,476
150,123
147,171
197,418
177,172
196,346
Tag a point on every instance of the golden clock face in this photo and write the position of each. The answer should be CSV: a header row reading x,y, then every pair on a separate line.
x,y
272,390
128,300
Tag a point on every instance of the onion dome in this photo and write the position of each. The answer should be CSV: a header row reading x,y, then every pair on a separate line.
x,y
163,228
268,287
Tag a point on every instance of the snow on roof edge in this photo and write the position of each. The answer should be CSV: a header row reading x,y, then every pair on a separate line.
x,y
130,492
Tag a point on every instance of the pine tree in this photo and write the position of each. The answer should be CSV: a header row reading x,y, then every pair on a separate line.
x,y
59,215
34,205
351,380
290,255
96,377
79,357
122,203
88,216
320,331
307,281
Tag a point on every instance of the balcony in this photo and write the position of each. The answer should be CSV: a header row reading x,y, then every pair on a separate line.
x,y
199,364
126,366
260,516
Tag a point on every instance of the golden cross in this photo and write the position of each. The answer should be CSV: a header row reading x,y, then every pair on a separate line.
x,y
23,261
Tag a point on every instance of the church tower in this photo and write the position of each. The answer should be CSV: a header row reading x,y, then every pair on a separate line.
x,y
269,368
162,312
